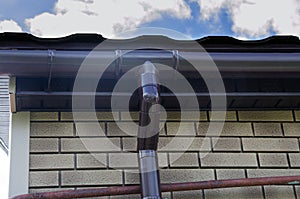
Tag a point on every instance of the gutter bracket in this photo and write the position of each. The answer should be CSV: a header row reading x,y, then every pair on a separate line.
x,y
175,55
118,62
50,63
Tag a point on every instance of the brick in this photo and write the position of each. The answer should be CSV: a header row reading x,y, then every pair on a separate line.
x,y
131,196
43,145
184,160
162,160
186,128
94,160
183,144
187,194
123,160
122,129
129,144
103,197
90,129
291,129
273,160
222,116
51,129
270,144
274,192
178,144
108,116
130,160
68,116
223,174
188,116
41,190
294,159
229,129
229,160
162,129
297,115
253,173
185,175
90,116
173,175
90,144
43,178
126,129
226,144
86,177
93,187
43,116
267,129
165,195
132,176
236,192
297,189
131,116
51,161
265,116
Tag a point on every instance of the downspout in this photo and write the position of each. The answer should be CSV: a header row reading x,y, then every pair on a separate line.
x,y
149,132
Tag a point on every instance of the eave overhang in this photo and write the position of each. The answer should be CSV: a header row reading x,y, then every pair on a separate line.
x,y
261,74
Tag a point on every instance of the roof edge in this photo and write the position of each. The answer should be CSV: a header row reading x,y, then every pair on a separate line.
x,y
11,40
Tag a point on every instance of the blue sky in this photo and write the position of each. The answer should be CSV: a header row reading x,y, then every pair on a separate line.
x,y
196,18
19,10
195,27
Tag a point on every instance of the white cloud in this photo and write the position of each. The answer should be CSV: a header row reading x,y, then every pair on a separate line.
x,y
107,17
256,18
9,26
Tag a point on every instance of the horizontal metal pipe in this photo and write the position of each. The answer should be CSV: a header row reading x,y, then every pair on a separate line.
x,y
124,94
187,186
66,63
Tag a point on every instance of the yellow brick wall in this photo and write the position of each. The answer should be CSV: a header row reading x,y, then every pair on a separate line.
x,y
252,144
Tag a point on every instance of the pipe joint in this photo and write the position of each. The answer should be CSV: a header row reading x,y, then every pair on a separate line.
x,y
149,174
148,82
